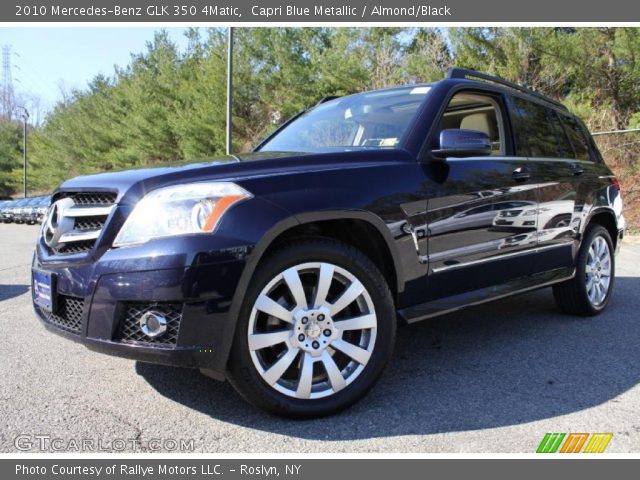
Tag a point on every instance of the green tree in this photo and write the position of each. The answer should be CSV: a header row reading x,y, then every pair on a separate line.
x,y
595,70
10,155
168,105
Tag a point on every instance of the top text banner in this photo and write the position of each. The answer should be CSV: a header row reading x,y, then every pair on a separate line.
x,y
315,11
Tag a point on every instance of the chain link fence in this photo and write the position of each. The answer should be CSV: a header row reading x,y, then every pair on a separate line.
x,y
621,151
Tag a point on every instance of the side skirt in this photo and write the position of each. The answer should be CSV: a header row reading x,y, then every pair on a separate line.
x,y
453,303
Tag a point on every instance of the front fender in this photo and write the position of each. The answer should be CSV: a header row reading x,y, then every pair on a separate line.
x,y
280,228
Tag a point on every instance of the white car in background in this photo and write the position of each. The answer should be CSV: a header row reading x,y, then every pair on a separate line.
x,y
555,214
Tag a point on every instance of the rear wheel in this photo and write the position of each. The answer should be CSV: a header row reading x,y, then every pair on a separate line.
x,y
589,291
315,332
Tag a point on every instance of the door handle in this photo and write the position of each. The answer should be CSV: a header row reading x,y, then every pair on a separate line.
x,y
576,169
521,174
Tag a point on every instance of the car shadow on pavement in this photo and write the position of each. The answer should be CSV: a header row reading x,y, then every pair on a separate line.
x,y
10,291
504,363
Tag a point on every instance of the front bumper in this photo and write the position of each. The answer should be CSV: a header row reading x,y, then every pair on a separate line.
x,y
101,300
29,218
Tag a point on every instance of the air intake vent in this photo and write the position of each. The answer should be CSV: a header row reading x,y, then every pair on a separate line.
x,y
68,316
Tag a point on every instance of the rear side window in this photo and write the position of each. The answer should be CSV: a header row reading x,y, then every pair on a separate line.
x,y
538,131
577,136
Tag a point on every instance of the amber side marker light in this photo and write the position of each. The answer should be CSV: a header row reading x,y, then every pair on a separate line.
x,y
221,207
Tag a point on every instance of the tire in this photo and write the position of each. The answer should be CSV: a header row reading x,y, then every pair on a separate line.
x,y
313,334
588,293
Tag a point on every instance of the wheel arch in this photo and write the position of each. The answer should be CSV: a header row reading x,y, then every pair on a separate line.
x,y
303,225
605,217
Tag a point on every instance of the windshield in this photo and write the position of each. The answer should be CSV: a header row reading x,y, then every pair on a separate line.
x,y
367,120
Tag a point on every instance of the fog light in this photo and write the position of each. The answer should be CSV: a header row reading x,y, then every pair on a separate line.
x,y
153,324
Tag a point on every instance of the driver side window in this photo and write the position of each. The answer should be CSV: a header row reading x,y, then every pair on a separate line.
x,y
472,111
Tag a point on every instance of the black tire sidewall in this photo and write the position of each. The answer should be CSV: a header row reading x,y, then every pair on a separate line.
x,y
242,372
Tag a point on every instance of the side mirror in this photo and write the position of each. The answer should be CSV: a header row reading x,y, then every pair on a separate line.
x,y
456,142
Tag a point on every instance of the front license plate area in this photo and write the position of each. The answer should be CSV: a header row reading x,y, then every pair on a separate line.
x,y
44,290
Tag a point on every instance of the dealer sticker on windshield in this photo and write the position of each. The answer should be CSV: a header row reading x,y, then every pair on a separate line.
x,y
419,90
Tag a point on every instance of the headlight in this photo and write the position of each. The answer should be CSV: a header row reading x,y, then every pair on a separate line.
x,y
179,210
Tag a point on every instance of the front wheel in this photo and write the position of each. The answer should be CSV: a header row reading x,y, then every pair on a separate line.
x,y
315,332
588,293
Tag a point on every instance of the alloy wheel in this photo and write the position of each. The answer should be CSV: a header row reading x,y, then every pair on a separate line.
x,y
598,271
312,330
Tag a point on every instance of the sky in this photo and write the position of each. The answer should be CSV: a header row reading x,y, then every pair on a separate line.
x,y
46,61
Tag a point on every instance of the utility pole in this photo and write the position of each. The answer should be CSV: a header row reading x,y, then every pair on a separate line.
x,y
229,89
24,114
7,84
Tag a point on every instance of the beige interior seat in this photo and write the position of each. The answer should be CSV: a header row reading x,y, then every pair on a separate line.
x,y
480,122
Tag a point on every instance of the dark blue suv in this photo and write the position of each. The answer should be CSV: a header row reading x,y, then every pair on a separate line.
x,y
286,270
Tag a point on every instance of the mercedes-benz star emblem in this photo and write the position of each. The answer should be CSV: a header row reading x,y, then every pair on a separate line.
x,y
56,224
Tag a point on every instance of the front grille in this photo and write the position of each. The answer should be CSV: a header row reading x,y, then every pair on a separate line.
x,y
93,199
509,213
83,220
89,223
68,315
130,332
76,247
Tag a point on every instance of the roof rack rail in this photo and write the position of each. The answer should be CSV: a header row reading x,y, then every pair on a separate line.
x,y
327,98
470,74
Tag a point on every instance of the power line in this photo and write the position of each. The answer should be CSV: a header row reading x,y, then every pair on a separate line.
x,y
30,88
35,76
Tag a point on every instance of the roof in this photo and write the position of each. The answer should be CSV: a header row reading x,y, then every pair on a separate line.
x,y
465,74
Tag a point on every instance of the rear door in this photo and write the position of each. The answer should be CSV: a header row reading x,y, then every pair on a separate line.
x,y
541,133
472,243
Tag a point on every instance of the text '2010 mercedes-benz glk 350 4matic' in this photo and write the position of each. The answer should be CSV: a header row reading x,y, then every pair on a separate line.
x,y
286,270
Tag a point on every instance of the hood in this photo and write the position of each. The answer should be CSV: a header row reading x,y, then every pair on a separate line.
x,y
132,184
144,179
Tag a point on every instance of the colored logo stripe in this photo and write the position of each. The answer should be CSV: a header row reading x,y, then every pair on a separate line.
x,y
550,443
573,442
598,442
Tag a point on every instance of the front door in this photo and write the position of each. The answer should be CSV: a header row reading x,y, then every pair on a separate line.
x,y
472,239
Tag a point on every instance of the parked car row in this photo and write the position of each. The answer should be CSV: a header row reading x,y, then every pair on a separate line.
x,y
25,210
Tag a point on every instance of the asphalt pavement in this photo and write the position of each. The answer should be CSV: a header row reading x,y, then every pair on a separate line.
x,y
494,378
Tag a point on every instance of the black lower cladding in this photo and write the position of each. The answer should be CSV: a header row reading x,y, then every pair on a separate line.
x,y
130,332
68,315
